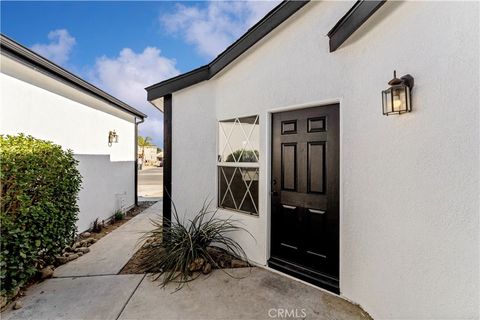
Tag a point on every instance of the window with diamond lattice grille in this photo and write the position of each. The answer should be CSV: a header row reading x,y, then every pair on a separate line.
x,y
238,166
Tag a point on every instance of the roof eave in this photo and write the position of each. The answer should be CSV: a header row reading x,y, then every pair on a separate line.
x,y
273,19
27,56
361,11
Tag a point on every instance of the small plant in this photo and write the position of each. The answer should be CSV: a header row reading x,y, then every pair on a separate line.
x,y
243,156
180,249
97,226
119,215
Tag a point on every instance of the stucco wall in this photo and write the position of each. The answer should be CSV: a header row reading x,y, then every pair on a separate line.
x,y
35,104
409,184
107,186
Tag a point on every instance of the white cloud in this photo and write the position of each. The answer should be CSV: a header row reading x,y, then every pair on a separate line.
x,y
215,27
126,76
59,48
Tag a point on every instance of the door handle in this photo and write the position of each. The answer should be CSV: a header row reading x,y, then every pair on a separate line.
x,y
317,211
289,207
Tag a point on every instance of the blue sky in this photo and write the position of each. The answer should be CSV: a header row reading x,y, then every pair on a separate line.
x,y
124,46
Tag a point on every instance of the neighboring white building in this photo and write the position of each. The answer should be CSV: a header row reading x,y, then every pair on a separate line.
x,y
382,210
150,154
41,99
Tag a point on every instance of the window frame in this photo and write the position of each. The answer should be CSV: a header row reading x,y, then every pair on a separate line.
x,y
237,164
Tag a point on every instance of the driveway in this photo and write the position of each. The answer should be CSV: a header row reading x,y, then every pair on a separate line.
x,y
150,184
91,288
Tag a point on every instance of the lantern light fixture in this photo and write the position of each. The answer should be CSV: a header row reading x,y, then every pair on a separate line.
x,y
112,138
398,98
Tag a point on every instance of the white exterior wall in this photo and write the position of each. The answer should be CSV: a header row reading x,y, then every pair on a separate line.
x,y
35,104
409,211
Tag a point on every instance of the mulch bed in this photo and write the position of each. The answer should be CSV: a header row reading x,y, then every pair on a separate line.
x,y
222,258
114,224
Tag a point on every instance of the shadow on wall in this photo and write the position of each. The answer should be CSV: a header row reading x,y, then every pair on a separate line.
x,y
107,186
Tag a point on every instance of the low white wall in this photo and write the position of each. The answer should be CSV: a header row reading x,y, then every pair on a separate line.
x,y
35,104
106,187
409,213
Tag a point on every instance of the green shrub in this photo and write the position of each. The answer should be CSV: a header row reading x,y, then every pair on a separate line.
x,y
38,210
243,156
119,215
174,250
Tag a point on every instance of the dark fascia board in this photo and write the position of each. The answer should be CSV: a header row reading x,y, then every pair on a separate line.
x,y
177,83
272,20
361,11
24,55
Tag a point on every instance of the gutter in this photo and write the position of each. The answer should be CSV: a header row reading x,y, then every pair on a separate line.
x,y
136,160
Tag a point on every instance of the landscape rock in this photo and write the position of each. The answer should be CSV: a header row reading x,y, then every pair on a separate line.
x,y
197,264
61,259
237,263
17,305
83,250
3,301
46,272
207,268
88,242
67,249
79,253
72,257
85,235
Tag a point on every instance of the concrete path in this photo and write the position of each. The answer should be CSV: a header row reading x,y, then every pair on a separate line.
x,y
259,294
112,252
91,288
99,297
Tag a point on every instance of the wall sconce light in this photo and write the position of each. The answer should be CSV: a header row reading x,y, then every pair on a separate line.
x,y
398,98
112,138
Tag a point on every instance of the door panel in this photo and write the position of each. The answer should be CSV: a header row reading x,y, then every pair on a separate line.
x,y
305,185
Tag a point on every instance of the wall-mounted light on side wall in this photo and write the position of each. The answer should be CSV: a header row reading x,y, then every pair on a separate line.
x,y
398,98
112,138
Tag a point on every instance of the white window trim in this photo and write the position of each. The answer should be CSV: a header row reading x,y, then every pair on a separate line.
x,y
236,165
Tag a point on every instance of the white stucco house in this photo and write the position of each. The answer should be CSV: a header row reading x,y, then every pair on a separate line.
x,y
150,154
41,99
369,194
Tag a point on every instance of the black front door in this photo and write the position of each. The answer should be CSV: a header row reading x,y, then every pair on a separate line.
x,y
305,201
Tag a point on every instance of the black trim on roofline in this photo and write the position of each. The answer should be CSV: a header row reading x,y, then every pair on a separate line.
x,y
26,56
272,20
361,11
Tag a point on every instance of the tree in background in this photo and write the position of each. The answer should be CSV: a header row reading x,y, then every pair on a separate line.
x,y
143,142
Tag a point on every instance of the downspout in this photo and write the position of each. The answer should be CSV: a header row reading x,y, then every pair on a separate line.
x,y
136,159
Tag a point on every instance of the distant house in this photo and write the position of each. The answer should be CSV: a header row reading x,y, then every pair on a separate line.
x,y
287,128
41,99
150,155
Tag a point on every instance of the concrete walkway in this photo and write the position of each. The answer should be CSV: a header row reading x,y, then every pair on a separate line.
x,y
112,252
90,288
